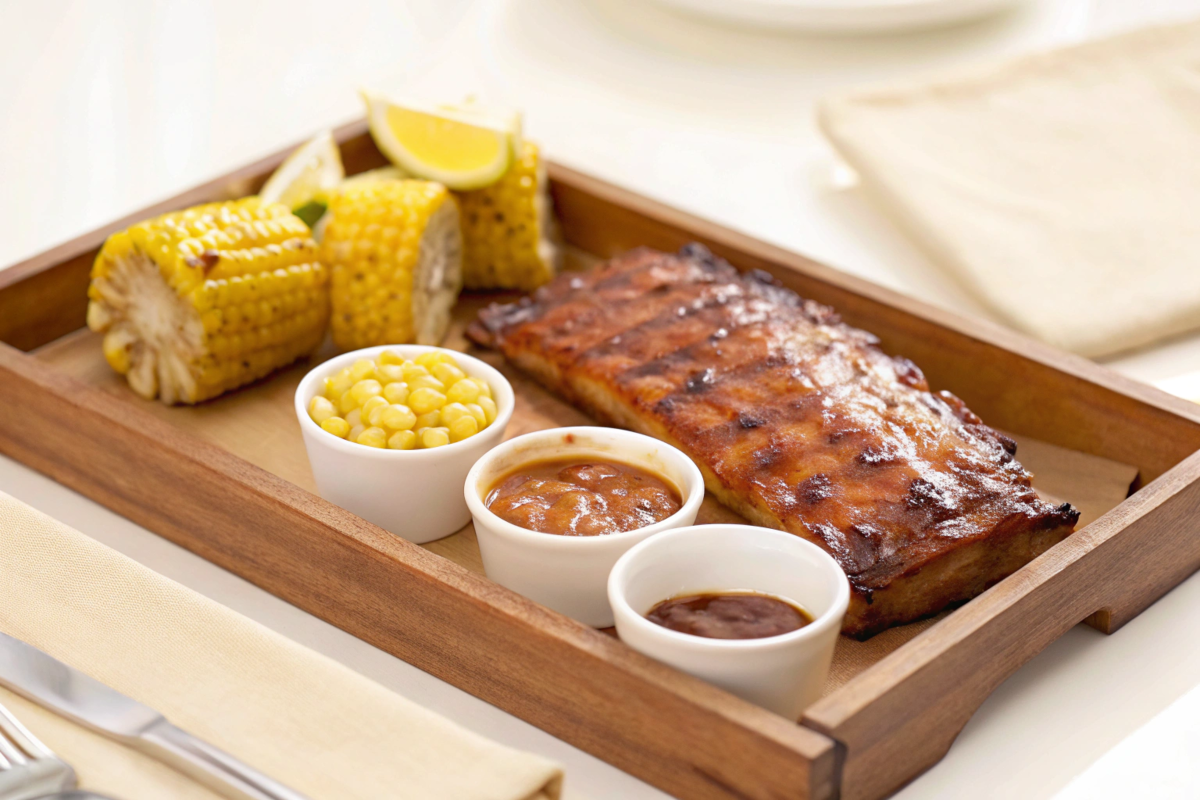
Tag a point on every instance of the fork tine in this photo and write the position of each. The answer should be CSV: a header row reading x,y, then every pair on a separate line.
x,y
13,731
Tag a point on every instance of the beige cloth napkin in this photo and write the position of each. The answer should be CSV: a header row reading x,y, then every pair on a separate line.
x,y
292,713
1063,188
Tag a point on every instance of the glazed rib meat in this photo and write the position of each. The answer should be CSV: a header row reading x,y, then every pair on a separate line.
x,y
797,420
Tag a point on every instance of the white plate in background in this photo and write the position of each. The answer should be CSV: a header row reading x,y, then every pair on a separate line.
x,y
844,16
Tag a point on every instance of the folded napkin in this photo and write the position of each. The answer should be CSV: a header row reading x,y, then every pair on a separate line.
x,y
293,714
1063,188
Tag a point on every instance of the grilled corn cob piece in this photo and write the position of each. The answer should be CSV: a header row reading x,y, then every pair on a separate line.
x,y
197,302
509,230
394,248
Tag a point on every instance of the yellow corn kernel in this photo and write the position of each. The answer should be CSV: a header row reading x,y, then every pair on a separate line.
x,y
452,411
463,392
477,412
373,437
484,389
427,382
424,400
366,389
320,409
347,403
397,418
355,431
396,393
435,437
427,360
447,373
362,369
389,373
391,358
354,418
338,385
371,407
429,420
489,408
402,440
337,426
412,371
462,428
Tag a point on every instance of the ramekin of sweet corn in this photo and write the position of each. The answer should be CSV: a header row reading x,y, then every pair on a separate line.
x,y
392,431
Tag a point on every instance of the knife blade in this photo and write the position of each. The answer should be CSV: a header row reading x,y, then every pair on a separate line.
x,y
45,680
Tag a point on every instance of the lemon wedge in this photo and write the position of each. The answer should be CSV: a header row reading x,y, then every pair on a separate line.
x,y
462,148
314,168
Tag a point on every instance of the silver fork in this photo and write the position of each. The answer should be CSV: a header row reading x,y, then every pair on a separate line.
x,y
28,768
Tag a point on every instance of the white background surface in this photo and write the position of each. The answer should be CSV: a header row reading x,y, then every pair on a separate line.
x,y
106,107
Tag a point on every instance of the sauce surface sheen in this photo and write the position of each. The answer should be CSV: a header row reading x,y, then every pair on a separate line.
x,y
729,615
582,497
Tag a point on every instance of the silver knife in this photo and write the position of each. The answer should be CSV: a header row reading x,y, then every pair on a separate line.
x,y
47,681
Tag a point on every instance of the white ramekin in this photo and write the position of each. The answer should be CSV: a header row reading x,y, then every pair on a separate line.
x,y
782,673
569,573
416,494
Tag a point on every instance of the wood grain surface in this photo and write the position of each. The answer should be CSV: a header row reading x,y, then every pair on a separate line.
x,y
192,478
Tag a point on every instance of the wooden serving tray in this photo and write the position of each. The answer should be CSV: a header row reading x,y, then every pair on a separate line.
x,y
229,481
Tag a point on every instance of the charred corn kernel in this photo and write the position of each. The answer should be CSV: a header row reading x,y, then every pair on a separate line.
x,y
389,373
477,412
197,302
451,412
373,437
320,409
394,248
373,405
396,393
463,428
338,385
462,392
447,373
484,389
429,420
427,382
435,437
424,400
391,358
365,390
347,403
402,440
508,229
362,369
489,408
375,413
337,426
398,418
428,359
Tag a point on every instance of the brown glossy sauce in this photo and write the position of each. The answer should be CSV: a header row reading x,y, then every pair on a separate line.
x,y
729,615
582,497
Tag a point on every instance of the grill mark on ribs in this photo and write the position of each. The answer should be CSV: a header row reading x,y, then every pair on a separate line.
x,y
800,421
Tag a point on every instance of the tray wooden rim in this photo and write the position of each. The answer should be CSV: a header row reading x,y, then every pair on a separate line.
x,y
865,718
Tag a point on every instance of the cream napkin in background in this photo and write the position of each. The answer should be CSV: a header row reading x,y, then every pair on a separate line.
x,y
1063,188
292,713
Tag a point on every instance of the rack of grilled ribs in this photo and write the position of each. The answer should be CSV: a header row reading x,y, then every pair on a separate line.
x,y
797,420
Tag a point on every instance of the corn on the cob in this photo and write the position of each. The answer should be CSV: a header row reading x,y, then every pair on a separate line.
x,y
197,302
394,248
509,230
